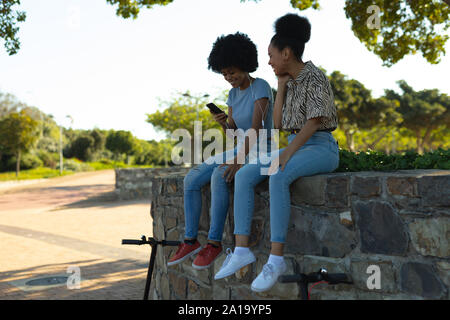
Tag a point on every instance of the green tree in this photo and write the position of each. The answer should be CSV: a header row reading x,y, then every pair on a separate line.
x,y
49,134
81,148
86,145
153,152
9,17
9,103
181,113
406,26
99,139
18,134
120,142
131,8
358,110
422,111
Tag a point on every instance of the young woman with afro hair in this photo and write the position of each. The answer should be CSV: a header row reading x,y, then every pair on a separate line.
x,y
304,106
250,106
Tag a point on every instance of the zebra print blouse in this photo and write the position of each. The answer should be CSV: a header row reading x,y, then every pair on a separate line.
x,y
309,96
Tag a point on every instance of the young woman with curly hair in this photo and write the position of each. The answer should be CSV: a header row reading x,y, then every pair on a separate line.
x,y
304,105
250,105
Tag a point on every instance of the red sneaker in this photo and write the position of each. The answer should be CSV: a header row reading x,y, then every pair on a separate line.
x,y
206,257
184,251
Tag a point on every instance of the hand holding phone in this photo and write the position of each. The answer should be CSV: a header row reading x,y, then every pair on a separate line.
x,y
219,115
215,109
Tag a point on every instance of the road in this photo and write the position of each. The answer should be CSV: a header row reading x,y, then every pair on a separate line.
x,y
72,226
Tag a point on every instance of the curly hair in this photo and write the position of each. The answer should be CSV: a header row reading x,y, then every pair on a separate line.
x,y
292,31
233,50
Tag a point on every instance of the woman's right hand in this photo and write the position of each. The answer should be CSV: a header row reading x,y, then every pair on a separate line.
x,y
220,117
283,79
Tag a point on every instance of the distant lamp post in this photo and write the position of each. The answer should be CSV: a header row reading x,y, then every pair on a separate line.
x,y
197,99
61,145
193,148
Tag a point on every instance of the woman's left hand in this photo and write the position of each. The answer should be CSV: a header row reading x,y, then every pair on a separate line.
x,y
233,167
281,160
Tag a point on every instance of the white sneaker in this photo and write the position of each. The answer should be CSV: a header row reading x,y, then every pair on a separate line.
x,y
233,263
268,277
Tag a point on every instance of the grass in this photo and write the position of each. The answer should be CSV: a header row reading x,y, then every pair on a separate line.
x,y
38,173
45,173
104,166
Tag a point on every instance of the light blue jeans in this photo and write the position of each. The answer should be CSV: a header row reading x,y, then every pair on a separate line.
x,y
196,178
320,154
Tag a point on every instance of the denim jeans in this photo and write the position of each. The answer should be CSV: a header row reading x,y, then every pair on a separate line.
x,y
196,178
320,154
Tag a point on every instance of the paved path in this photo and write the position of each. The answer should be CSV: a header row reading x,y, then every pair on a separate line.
x,y
67,222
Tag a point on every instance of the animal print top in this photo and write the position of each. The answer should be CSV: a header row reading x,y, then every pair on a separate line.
x,y
309,96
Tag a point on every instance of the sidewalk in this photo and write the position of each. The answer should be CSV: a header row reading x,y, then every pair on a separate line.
x,y
72,222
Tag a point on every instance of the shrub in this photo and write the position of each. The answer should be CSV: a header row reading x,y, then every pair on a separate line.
x,y
27,161
74,165
50,160
379,161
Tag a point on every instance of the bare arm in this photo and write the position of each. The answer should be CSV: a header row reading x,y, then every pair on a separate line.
x,y
231,123
259,109
279,101
224,121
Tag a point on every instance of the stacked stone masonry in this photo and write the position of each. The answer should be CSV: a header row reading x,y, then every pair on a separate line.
x,y
345,222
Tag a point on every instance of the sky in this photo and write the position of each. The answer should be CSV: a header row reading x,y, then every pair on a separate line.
x,y
79,59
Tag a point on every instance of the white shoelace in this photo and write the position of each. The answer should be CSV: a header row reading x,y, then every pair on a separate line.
x,y
268,271
229,253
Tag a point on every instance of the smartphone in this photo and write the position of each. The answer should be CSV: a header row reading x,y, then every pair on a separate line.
x,y
215,109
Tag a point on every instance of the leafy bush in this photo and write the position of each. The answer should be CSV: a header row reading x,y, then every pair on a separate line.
x,y
81,148
379,161
50,160
27,161
75,165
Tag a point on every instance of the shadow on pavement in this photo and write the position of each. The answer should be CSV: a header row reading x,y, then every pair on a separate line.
x,y
100,280
103,250
104,200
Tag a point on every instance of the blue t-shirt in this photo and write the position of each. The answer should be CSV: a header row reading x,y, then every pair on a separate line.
x,y
243,104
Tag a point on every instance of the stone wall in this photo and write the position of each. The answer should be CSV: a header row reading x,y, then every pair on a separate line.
x,y
137,183
345,222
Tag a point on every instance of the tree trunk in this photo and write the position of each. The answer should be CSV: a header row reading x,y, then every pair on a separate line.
x,y
375,142
394,144
350,142
18,164
427,138
419,143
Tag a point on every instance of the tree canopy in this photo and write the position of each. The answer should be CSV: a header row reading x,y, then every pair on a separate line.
x,y
421,111
181,113
18,132
405,26
9,18
120,142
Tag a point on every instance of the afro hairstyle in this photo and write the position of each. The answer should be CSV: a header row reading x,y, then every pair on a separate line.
x,y
233,50
293,31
